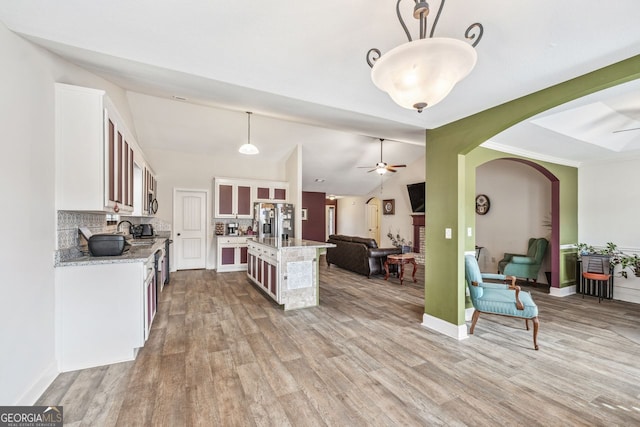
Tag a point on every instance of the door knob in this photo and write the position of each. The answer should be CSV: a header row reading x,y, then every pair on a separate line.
x,y
178,234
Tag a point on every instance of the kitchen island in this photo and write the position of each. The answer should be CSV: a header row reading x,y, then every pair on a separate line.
x,y
286,270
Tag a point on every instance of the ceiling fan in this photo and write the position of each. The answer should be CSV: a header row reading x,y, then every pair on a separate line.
x,y
625,130
382,167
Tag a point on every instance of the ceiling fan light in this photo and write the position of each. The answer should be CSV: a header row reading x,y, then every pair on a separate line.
x,y
421,73
381,171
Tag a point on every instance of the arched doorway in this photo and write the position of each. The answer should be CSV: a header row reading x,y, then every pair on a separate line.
x,y
524,199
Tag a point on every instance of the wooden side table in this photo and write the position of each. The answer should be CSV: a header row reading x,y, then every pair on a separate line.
x,y
401,260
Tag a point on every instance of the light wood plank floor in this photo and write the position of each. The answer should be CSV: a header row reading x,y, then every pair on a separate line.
x,y
221,353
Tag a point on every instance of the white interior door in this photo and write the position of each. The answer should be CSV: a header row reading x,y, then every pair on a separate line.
x,y
373,227
330,221
190,229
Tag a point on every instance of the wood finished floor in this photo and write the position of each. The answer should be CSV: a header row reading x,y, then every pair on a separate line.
x,y
220,353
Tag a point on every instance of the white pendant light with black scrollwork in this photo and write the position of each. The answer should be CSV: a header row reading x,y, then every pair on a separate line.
x,y
248,148
421,73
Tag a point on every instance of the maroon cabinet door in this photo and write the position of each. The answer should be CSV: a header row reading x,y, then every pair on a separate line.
x,y
272,278
112,161
120,171
280,194
263,193
244,200
228,256
225,199
244,251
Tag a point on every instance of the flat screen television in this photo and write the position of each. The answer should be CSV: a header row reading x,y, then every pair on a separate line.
x,y
416,196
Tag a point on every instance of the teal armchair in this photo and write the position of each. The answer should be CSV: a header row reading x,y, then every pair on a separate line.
x,y
525,266
498,298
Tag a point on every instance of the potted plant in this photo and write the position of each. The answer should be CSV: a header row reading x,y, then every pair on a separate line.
x,y
399,242
616,257
632,262
611,250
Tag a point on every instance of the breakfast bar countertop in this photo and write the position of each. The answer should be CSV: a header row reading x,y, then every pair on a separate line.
x,y
290,243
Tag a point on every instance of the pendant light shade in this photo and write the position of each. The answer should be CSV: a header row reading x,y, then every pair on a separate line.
x,y
248,148
421,73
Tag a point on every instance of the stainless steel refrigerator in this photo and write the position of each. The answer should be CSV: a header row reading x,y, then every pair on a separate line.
x,y
274,220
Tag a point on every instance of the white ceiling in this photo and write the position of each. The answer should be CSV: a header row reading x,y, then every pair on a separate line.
x,y
304,63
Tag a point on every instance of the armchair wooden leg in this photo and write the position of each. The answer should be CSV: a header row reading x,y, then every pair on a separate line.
x,y
536,322
474,319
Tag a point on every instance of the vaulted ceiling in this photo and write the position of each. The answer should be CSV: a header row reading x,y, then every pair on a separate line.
x,y
300,67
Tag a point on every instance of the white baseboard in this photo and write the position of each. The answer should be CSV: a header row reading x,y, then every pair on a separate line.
x,y
458,332
468,313
30,396
562,292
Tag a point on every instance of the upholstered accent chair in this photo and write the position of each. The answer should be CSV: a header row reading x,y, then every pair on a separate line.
x,y
525,266
499,298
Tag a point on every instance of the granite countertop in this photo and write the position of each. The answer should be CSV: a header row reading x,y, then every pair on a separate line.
x,y
291,243
138,252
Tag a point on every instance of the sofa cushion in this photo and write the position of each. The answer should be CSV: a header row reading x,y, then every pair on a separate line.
x,y
369,242
340,237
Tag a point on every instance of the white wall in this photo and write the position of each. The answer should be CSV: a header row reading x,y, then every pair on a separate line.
x,y
351,215
608,206
27,75
520,202
395,187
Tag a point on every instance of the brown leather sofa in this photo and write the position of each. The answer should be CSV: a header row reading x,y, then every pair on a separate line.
x,y
358,254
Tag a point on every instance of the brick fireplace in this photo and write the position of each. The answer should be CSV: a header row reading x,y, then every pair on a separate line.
x,y
418,237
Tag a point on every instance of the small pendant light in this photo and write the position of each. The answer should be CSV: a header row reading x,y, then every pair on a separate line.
x,y
248,148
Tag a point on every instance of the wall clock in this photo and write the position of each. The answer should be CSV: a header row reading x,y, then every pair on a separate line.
x,y
482,204
389,207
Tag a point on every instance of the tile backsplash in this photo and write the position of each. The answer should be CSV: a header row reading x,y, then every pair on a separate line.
x,y
70,244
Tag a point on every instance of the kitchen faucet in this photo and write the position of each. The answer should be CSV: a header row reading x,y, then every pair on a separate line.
x,y
118,226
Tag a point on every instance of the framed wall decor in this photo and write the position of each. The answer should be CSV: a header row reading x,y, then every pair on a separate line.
x,y
389,207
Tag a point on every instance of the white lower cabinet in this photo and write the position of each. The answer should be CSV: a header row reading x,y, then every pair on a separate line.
x,y
103,313
232,253
263,268
150,297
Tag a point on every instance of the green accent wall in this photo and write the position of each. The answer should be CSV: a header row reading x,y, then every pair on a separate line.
x,y
449,162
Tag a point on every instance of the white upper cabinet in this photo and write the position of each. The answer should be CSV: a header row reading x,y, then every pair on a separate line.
x,y
95,153
272,191
234,198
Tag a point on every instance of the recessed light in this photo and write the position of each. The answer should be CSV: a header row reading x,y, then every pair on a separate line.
x,y
319,179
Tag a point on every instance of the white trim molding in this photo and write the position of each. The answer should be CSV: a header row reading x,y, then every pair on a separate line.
x,y
562,292
30,397
468,313
458,332
530,154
